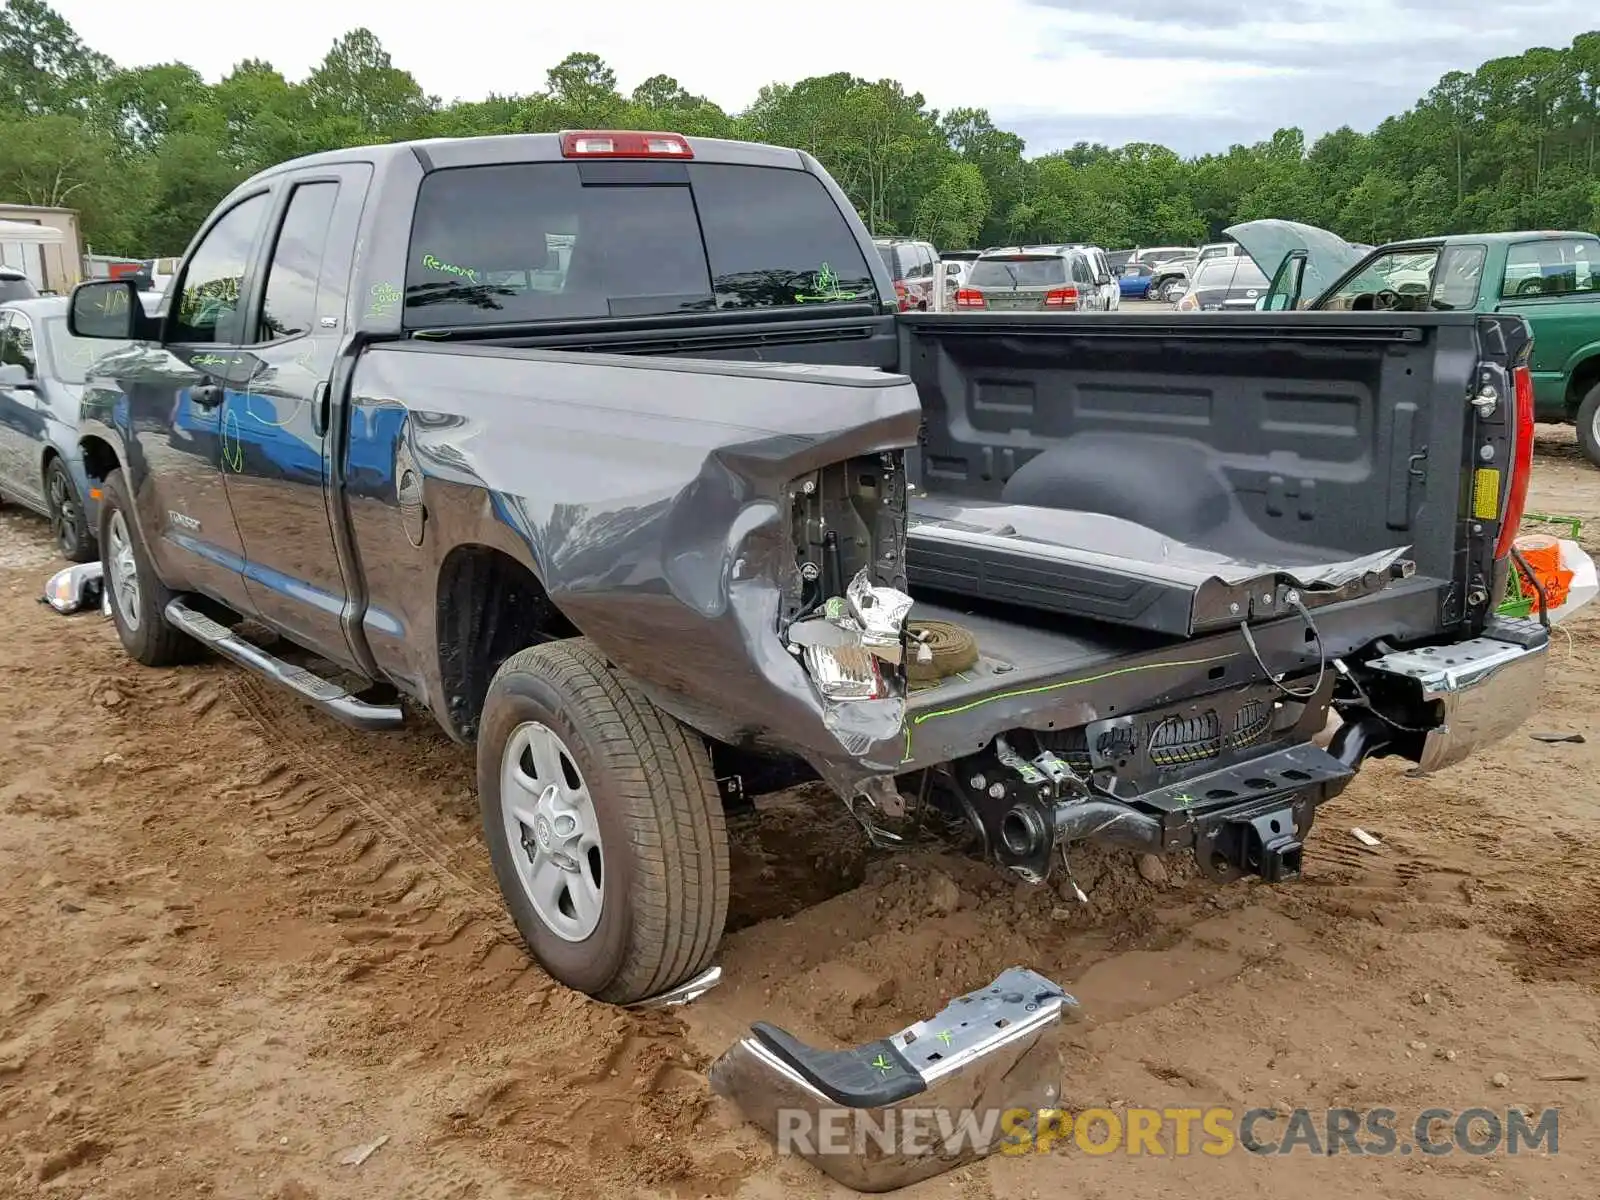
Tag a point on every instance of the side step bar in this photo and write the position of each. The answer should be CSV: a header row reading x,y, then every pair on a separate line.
x,y
329,697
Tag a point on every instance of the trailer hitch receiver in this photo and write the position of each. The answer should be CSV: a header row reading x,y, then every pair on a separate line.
x,y
939,1093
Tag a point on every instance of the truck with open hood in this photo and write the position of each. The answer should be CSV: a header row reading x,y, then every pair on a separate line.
x,y
612,452
1550,278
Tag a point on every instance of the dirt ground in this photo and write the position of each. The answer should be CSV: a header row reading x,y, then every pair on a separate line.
x,y
239,941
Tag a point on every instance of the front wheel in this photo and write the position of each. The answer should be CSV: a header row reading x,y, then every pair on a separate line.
x,y
1588,423
604,825
138,599
1173,291
68,523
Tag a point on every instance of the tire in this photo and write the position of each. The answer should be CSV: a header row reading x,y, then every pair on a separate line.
x,y
139,615
1172,291
1587,420
68,522
660,860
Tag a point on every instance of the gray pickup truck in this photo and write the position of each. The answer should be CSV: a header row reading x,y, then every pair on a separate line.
x,y
611,452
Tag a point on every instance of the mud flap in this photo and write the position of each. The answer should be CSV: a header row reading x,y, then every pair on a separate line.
x,y
936,1095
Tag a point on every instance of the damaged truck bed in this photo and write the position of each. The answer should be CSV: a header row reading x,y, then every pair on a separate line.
x,y
1174,576
663,504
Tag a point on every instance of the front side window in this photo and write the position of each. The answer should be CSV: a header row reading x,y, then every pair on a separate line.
x,y
290,305
1460,275
1552,267
17,349
554,241
1394,279
211,299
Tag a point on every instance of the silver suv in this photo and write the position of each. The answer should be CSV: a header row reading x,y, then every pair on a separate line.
x,y
1024,279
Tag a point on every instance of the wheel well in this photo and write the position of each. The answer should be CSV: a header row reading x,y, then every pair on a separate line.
x,y
99,459
49,456
1584,376
489,607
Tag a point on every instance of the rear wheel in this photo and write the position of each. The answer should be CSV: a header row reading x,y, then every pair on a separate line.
x,y
1588,423
68,523
138,599
604,825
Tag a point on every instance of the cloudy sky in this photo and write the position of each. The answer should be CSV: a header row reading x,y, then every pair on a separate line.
x,y
1196,75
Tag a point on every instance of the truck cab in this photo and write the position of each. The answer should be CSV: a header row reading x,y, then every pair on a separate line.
x,y
1551,278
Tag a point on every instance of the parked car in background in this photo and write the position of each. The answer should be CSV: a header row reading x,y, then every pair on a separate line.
x,y
42,372
1225,283
1169,278
1133,280
1119,259
1031,279
1218,250
914,267
14,285
1551,278
1158,254
1105,279
952,275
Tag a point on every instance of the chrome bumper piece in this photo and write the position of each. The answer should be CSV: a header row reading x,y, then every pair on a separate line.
x,y
938,1094
1483,689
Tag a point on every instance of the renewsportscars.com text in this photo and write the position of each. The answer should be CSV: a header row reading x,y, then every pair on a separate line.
x,y
1175,1132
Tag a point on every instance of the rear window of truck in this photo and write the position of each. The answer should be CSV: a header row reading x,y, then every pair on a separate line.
x,y
552,241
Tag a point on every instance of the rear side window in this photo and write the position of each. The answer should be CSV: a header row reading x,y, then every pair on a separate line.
x,y
13,287
553,241
1018,272
290,308
1552,267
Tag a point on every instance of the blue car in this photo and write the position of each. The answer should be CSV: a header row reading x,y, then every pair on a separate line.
x,y
42,372
1135,280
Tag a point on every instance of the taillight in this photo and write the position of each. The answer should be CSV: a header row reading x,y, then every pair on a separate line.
x,y
1188,302
970,298
1061,298
614,143
1521,463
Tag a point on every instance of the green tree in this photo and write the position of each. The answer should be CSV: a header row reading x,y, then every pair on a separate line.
x,y
144,152
44,65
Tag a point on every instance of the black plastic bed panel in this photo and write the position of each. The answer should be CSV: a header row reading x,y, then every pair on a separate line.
x,y
982,573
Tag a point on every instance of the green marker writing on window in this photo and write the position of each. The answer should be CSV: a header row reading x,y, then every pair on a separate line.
x,y
435,264
385,299
824,288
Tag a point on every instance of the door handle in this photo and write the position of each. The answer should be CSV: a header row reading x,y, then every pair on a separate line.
x,y
319,410
207,395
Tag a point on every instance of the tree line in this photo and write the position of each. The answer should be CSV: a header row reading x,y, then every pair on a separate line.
x,y
144,153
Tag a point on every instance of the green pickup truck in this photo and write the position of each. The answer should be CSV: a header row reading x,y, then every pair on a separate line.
x,y
1552,279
